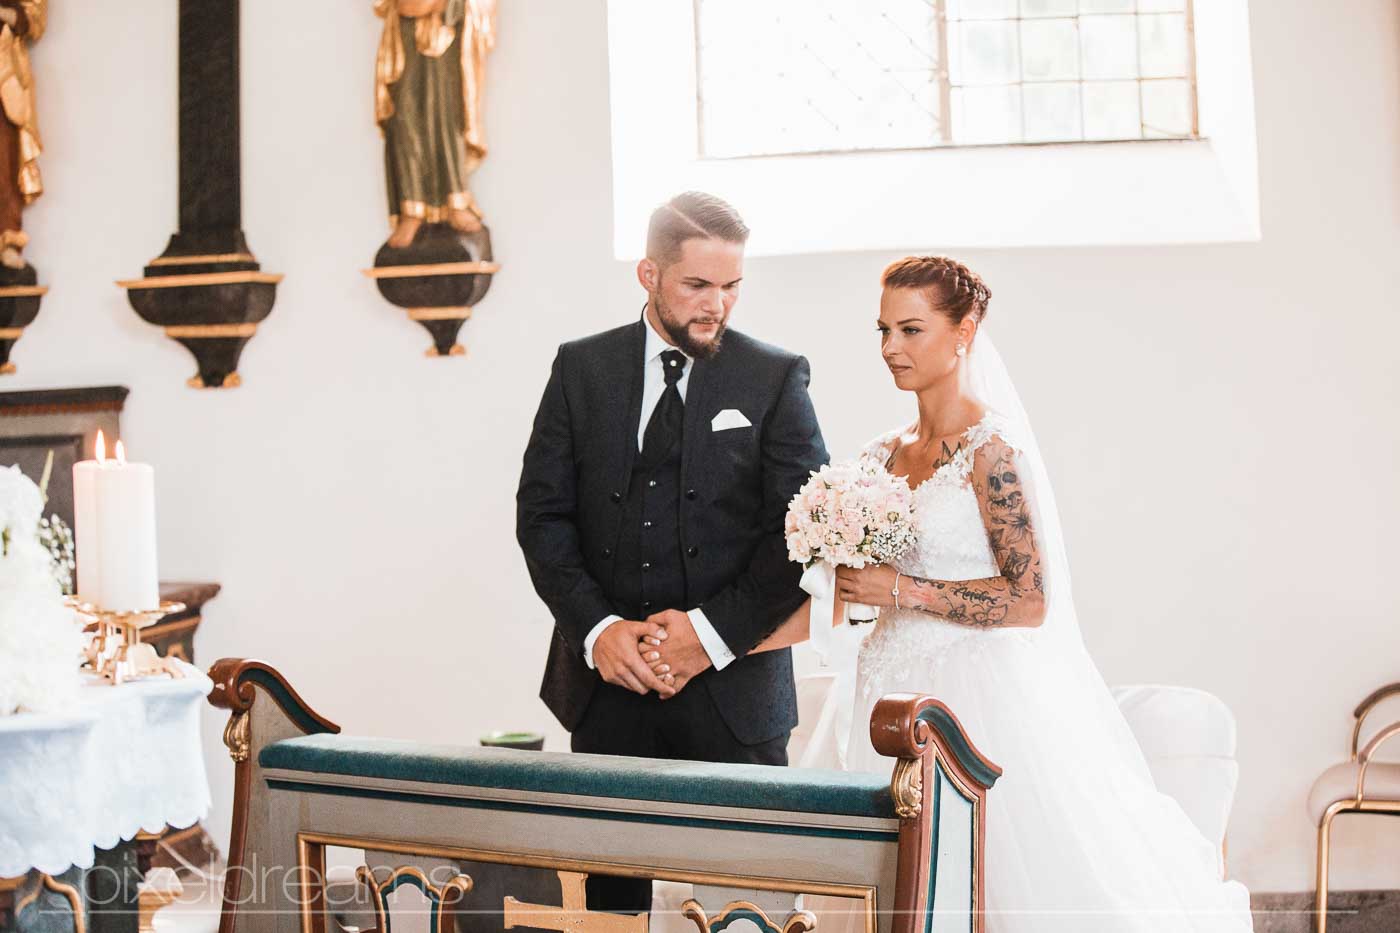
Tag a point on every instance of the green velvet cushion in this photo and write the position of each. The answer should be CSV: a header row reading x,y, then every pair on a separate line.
x,y
684,782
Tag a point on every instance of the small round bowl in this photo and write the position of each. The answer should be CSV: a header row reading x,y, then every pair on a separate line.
x,y
528,741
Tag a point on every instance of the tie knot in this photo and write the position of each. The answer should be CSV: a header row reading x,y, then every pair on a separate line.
x,y
672,366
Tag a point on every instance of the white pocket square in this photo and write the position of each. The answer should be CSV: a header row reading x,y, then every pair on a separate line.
x,y
729,418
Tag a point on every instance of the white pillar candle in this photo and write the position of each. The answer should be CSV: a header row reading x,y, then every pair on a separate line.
x,y
85,518
126,536
85,528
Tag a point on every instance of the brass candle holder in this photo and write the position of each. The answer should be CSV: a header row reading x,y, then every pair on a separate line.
x,y
115,651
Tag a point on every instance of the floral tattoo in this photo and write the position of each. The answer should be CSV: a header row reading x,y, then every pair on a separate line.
x,y
1003,599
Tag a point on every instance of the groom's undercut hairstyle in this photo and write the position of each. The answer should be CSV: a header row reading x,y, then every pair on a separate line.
x,y
692,215
952,289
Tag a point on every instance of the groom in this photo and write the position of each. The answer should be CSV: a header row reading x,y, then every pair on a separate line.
x,y
652,495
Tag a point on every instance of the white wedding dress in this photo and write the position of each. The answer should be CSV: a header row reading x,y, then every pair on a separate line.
x,y
1078,838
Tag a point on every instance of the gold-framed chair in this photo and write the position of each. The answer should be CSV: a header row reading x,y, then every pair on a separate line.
x,y
1358,785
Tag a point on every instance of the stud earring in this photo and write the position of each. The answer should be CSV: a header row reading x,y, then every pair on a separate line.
x,y
962,350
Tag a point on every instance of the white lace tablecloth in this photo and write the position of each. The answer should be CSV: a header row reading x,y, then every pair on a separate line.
x,y
125,759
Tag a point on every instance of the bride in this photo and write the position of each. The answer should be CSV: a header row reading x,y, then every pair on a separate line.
x,y
980,615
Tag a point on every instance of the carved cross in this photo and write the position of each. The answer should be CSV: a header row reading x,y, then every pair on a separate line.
x,y
574,916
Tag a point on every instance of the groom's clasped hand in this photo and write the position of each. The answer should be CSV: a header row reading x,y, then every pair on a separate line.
x,y
658,655
619,661
674,652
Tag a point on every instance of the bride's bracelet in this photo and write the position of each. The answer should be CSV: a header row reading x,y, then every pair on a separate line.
x,y
895,591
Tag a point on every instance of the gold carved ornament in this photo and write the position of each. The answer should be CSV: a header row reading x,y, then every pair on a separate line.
x,y
238,736
799,921
907,787
448,896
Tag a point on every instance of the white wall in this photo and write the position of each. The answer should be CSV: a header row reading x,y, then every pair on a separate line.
x,y
1219,420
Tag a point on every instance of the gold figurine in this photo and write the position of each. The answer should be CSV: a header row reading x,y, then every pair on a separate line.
x,y
428,84
21,22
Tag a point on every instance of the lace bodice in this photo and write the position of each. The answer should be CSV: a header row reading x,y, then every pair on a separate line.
x,y
952,545
952,541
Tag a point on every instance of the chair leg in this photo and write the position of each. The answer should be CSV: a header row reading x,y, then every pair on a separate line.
x,y
1324,833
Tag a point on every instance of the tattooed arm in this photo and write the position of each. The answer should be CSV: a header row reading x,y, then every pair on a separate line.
x,y
1016,597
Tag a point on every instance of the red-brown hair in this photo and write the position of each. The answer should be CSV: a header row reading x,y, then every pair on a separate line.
x,y
951,288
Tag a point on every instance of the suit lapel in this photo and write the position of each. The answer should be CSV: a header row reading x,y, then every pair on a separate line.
x,y
694,434
633,364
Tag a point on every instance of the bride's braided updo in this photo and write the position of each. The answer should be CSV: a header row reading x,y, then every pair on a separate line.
x,y
951,288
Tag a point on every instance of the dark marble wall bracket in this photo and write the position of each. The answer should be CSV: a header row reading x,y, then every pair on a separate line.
x,y
207,290
20,295
211,314
437,280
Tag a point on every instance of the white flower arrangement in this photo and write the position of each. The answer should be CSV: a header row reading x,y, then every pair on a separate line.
x,y
40,640
849,515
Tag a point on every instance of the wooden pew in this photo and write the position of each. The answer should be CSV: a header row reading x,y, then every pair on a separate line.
x,y
908,850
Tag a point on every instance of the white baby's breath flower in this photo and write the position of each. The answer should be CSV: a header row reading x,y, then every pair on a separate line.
x,y
850,514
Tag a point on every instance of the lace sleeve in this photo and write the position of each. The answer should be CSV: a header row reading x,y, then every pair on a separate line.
x,y
882,447
993,425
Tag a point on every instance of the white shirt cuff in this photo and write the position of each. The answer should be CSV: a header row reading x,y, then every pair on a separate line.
x,y
592,639
720,655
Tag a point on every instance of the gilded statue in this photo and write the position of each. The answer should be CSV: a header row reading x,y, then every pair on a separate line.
x,y
429,78
21,23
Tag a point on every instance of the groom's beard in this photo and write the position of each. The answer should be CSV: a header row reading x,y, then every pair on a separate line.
x,y
679,331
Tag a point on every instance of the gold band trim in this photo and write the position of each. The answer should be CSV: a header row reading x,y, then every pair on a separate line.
x,y
439,314
204,278
463,201
166,629
75,901
203,331
799,921
172,836
11,333
29,896
201,260
42,881
231,381
436,268
437,213
309,845
23,291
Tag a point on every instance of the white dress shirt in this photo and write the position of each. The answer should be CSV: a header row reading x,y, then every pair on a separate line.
x,y
653,384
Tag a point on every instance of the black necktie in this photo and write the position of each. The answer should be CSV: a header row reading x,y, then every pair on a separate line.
x,y
663,431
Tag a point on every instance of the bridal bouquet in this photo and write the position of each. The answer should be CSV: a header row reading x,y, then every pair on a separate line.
x,y
40,640
849,515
